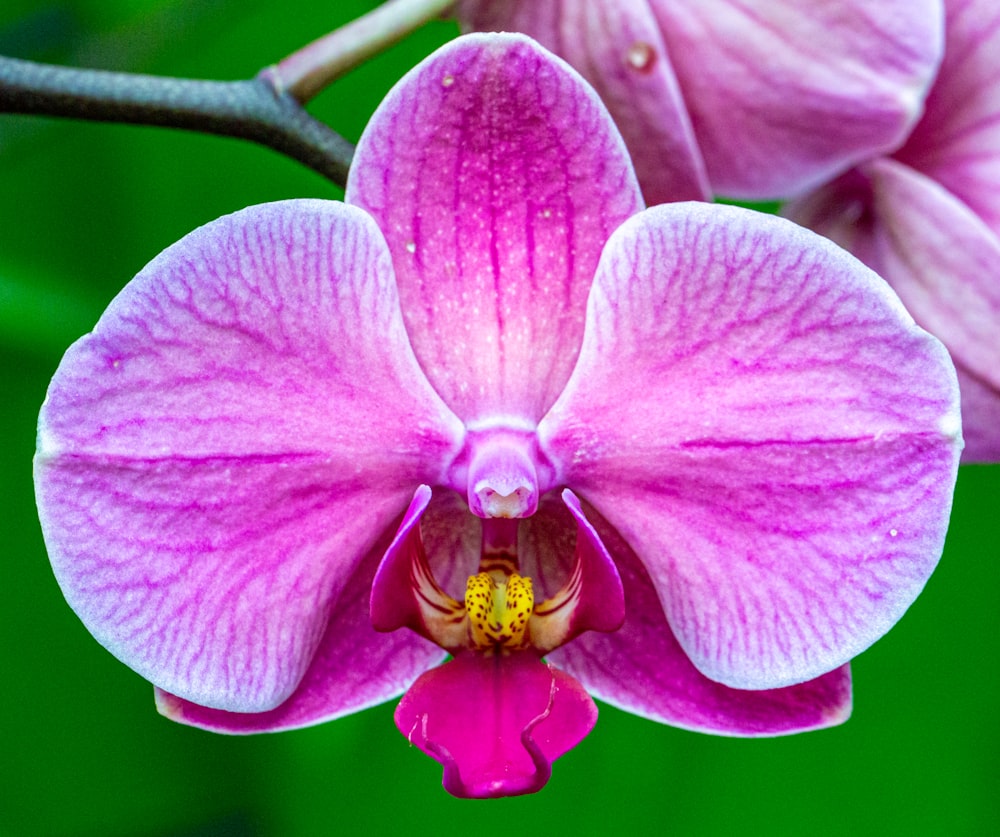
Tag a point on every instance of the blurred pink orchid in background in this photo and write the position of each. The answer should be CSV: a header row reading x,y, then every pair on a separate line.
x,y
927,218
753,101
695,457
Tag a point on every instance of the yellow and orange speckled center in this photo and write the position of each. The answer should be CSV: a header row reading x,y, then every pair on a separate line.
x,y
499,606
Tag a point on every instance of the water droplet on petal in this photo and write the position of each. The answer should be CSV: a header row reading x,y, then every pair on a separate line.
x,y
411,247
640,56
893,532
448,80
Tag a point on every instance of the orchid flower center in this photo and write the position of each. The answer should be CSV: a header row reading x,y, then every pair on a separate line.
x,y
499,603
499,614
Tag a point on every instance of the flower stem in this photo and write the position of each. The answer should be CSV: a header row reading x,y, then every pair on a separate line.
x,y
252,109
307,71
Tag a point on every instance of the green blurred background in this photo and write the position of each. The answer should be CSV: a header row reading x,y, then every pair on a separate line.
x,y
82,750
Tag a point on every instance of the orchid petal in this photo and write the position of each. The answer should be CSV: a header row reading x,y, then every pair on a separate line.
x,y
957,142
216,457
806,89
497,175
640,668
940,257
618,48
756,413
353,668
496,723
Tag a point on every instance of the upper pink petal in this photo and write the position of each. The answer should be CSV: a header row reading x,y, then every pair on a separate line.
x,y
784,94
496,175
496,723
640,668
957,142
215,458
619,49
759,417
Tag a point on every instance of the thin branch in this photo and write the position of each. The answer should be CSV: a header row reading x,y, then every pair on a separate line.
x,y
251,109
307,71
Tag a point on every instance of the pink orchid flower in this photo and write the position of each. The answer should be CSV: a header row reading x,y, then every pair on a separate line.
x,y
755,101
309,424
927,218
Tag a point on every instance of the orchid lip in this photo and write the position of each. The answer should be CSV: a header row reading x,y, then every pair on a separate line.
x,y
495,723
493,784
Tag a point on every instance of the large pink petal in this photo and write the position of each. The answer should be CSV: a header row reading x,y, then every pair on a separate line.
x,y
619,49
640,668
957,142
941,259
496,723
353,668
755,412
240,427
784,94
497,175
